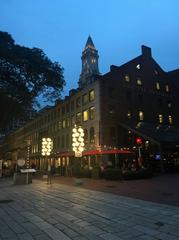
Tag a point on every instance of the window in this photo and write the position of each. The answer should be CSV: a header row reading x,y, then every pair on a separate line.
x,y
68,122
85,115
167,88
160,118
111,92
78,117
139,81
169,104
141,115
113,134
59,125
91,113
170,120
85,99
156,72
91,95
127,78
63,123
92,135
63,110
67,107
157,85
85,136
72,105
78,102
73,120
111,110
138,66
128,114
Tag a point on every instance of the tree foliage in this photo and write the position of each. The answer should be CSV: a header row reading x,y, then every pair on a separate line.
x,y
25,73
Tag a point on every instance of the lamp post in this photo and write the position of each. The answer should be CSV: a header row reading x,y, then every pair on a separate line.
x,y
28,159
47,146
77,142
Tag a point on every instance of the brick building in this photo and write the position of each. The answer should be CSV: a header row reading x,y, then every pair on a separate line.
x,y
137,99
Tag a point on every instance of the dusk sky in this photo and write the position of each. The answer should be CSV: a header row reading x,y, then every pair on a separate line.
x,y
118,29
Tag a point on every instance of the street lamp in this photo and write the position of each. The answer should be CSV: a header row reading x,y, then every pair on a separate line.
x,y
78,147
78,140
47,146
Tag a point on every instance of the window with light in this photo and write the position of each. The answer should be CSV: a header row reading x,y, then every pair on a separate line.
x,y
127,78
167,88
157,85
139,81
85,115
91,95
91,113
170,120
141,115
78,117
160,117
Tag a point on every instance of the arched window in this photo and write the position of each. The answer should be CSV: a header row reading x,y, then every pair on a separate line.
x,y
92,135
85,136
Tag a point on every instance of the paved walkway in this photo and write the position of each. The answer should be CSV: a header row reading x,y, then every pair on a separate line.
x,y
63,212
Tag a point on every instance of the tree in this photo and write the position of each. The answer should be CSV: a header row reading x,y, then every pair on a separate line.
x,y
25,73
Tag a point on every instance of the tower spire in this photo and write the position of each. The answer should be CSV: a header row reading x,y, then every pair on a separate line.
x,y
89,64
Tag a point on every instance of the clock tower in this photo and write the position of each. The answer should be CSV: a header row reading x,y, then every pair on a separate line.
x,y
89,59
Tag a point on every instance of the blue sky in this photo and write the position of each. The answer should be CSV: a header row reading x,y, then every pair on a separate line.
x,y
118,29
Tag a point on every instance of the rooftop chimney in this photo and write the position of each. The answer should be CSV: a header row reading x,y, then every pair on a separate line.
x,y
146,51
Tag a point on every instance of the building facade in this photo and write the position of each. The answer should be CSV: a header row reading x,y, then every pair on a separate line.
x,y
137,99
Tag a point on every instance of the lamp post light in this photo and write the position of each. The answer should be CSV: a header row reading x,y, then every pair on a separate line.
x,y
47,146
78,146
78,140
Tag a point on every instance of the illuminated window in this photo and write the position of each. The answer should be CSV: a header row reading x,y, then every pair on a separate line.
x,y
63,123
138,66
141,115
139,81
91,113
160,118
127,78
170,120
78,117
91,95
157,85
167,88
129,115
111,110
85,115
85,99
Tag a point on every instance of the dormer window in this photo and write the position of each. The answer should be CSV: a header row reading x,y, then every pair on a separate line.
x,y
157,85
127,78
139,81
167,88
156,72
138,66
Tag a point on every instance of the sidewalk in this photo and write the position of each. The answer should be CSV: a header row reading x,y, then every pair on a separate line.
x,y
161,188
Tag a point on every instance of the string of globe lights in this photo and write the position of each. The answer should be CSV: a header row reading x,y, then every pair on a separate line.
x,y
78,140
47,145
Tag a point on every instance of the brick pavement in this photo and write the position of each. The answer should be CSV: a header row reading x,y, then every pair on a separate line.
x,y
62,212
161,188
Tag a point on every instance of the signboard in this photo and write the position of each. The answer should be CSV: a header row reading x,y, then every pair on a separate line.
x,y
78,154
